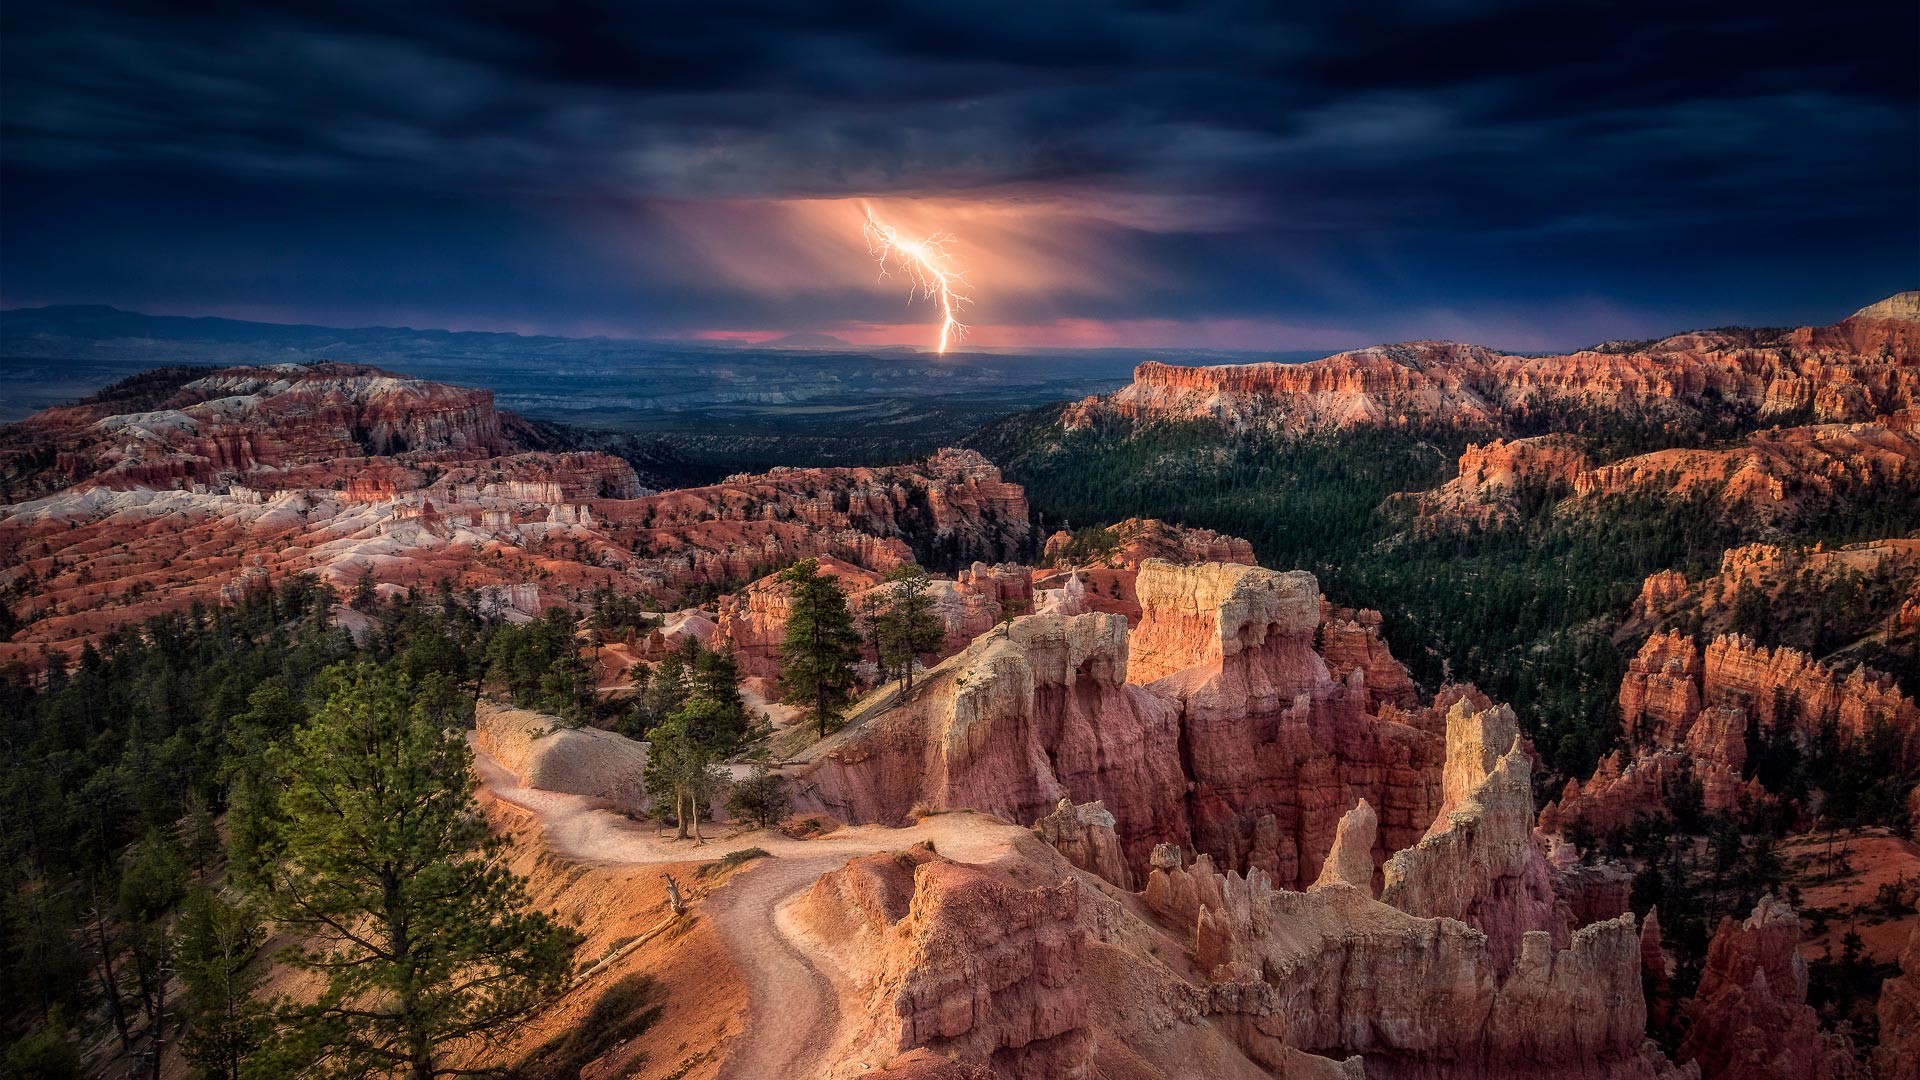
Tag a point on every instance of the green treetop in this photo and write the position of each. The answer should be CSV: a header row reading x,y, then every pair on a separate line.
x,y
821,646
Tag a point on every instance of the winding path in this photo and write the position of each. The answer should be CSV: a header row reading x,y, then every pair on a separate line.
x,y
796,1018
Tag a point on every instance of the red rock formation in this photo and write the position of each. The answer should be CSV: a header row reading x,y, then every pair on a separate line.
x,y
1491,476
1864,367
273,427
551,526
1687,713
1136,540
1776,472
962,961
1480,863
1240,743
1898,1056
1656,973
1350,861
1332,972
1083,835
1351,639
1025,717
1750,1019
1770,570
752,622
1276,749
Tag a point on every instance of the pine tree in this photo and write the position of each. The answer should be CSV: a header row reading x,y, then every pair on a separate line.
x,y
907,628
427,944
710,726
821,646
226,1024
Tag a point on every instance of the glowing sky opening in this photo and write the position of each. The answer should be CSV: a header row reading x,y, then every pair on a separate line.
x,y
927,265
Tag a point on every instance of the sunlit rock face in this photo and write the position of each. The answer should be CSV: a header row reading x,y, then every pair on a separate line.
x,y
245,478
1214,723
1864,367
1688,713
1332,972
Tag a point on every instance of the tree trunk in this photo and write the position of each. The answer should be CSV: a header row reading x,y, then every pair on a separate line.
x,y
109,987
696,819
680,814
676,903
160,1024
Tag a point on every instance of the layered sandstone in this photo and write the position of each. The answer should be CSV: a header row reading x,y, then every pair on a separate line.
x,y
1773,571
1479,863
1083,835
1351,640
273,427
1864,367
1026,716
1240,741
520,530
752,622
1332,972
1750,1019
1276,748
1774,474
1021,967
1494,476
1135,540
1688,712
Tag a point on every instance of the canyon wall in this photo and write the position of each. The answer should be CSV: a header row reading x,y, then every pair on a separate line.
x,y
1213,723
1862,368
1687,713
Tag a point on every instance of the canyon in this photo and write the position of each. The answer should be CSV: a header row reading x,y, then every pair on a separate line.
x,y
1150,808
1853,371
343,472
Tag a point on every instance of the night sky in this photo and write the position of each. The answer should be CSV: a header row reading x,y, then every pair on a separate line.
x,y
1529,175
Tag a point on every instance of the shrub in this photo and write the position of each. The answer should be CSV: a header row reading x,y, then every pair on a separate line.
x,y
761,798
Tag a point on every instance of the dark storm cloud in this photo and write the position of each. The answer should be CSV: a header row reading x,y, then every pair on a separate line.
x,y
1370,157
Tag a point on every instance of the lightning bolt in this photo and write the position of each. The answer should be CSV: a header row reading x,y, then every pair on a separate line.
x,y
927,265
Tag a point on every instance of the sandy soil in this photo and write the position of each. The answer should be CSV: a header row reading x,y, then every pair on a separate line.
x,y
796,1020
1877,857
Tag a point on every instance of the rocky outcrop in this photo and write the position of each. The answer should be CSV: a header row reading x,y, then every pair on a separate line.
x,y
1333,972
1898,1056
1351,640
1775,573
1083,834
548,756
1350,862
752,623
1135,540
1480,862
1778,472
1774,474
961,961
482,518
1687,713
274,427
1750,1019
1240,743
1865,367
1275,748
1493,476
1026,716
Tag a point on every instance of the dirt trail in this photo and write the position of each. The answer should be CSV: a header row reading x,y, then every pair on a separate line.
x,y
796,1021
